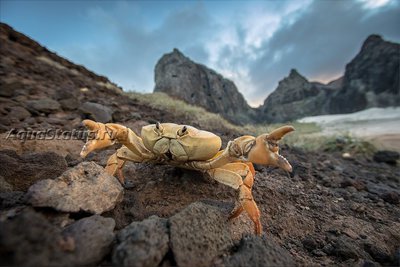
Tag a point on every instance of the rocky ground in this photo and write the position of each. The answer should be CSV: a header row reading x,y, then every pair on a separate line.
x,y
56,209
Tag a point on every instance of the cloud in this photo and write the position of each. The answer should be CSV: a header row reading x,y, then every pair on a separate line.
x,y
320,42
255,44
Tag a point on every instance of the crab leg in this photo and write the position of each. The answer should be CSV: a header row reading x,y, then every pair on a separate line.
x,y
231,174
107,134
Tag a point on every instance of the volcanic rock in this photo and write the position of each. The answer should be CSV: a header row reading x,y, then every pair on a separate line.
x,y
23,171
142,243
198,234
386,156
96,112
44,105
259,251
91,239
28,239
180,77
86,187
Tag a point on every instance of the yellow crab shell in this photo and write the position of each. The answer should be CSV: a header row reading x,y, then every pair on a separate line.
x,y
180,142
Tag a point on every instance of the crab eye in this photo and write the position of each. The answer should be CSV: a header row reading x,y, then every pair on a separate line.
x,y
182,131
248,147
159,129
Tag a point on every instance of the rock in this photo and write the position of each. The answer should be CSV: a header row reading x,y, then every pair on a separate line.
x,y
121,116
86,187
96,112
4,186
378,251
259,251
371,79
180,77
142,243
28,239
11,199
19,113
92,239
44,105
69,104
386,156
391,197
345,249
23,171
198,234
295,97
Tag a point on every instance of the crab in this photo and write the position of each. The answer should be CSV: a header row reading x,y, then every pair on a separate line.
x,y
190,148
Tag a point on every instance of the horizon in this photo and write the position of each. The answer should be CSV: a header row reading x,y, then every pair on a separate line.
x,y
254,44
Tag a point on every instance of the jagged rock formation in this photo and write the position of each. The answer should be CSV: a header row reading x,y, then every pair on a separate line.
x,y
180,77
371,78
295,97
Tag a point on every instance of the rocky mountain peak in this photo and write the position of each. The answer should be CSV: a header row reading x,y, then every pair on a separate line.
x,y
371,78
294,74
180,77
372,40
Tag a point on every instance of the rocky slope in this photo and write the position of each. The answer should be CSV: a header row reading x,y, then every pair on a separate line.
x,y
371,79
180,77
329,211
295,97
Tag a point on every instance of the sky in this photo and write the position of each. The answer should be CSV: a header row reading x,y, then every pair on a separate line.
x,y
253,43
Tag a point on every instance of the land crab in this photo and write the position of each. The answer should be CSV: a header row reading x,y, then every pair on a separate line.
x,y
187,147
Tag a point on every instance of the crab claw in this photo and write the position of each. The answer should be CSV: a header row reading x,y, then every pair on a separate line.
x,y
277,134
99,137
265,150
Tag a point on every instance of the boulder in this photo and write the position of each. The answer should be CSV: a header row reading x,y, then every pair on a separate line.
x,y
28,239
390,157
44,105
90,239
86,187
19,113
23,171
4,186
96,112
259,251
142,243
69,104
180,77
198,234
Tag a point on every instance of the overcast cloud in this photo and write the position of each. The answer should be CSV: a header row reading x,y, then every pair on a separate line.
x,y
253,43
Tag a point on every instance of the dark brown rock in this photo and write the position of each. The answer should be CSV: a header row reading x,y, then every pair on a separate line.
x,y
180,77
198,234
28,239
390,157
23,171
96,112
44,105
142,243
259,251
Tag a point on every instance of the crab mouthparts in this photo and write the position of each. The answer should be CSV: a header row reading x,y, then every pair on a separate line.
x,y
168,154
283,163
